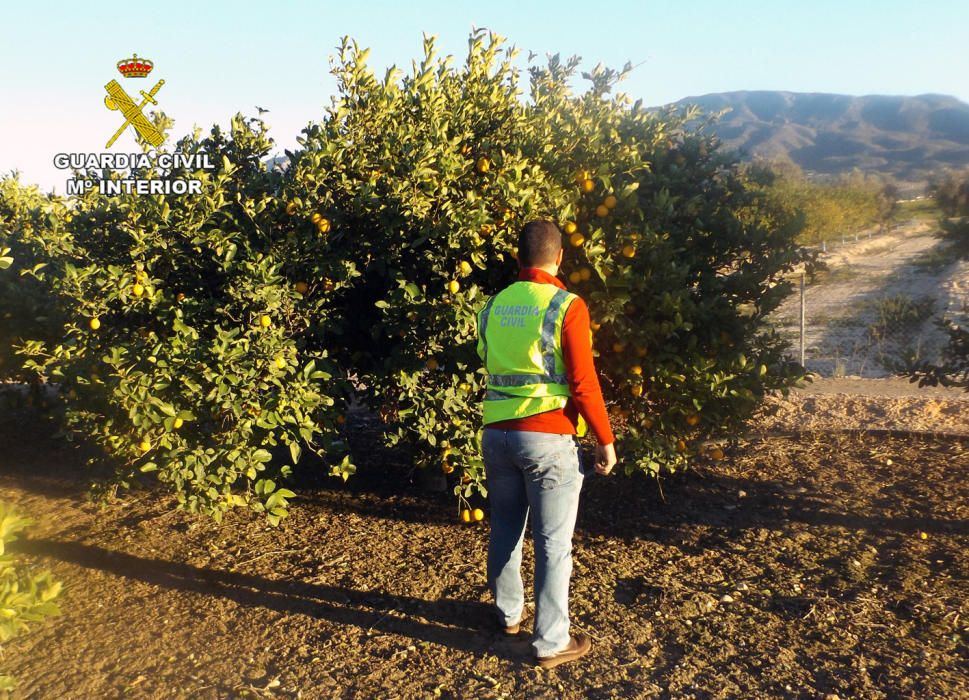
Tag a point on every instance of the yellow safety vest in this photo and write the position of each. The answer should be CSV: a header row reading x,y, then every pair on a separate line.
x,y
520,343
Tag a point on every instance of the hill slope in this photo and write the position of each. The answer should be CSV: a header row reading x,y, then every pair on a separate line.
x,y
907,137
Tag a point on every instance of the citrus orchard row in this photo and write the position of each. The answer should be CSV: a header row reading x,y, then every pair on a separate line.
x,y
211,339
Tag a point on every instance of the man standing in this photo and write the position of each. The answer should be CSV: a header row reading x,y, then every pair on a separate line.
x,y
536,344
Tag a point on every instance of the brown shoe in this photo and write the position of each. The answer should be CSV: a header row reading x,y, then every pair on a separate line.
x,y
512,630
579,645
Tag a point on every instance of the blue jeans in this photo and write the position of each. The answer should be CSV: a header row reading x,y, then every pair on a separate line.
x,y
538,473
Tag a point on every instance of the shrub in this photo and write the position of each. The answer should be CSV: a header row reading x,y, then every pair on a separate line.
x,y
25,597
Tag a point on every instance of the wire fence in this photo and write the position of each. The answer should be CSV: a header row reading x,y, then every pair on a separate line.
x,y
878,304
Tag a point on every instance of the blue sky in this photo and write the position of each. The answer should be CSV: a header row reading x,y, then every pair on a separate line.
x,y
218,57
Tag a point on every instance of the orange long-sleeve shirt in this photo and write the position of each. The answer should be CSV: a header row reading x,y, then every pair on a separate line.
x,y
579,369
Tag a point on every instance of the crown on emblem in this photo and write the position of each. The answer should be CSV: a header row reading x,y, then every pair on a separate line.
x,y
135,67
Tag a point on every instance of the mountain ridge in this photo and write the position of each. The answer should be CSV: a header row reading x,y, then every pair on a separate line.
x,y
908,138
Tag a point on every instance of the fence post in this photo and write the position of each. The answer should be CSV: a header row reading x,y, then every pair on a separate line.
x,y
802,318
824,246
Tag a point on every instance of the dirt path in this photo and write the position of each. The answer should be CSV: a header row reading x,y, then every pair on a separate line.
x,y
851,328
794,568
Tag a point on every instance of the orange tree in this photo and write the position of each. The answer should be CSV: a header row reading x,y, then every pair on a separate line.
x,y
26,310
427,178
190,344
207,339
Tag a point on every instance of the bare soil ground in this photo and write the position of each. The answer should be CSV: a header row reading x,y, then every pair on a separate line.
x,y
808,566
877,405
848,302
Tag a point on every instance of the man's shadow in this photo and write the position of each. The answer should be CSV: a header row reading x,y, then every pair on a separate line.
x,y
470,626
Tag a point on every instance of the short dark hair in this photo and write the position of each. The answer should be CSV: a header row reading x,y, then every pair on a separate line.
x,y
539,243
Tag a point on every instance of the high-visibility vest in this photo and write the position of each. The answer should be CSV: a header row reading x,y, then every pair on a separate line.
x,y
520,342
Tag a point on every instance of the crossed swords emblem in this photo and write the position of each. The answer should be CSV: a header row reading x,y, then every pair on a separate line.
x,y
118,99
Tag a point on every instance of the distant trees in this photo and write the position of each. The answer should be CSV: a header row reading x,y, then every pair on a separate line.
x,y
951,194
828,210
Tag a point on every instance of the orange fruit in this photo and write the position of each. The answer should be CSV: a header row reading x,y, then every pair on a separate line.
x,y
628,251
693,420
454,286
281,362
594,325
323,225
576,239
466,515
647,423
588,185
610,202
315,217
602,210
582,176
180,297
477,514
637,370
715,453
575,277
340,420
447,468
640,351
94,324
144,445
636,390
432,363
465,268
177,423
302,287
680,446
618,346
586,274
290,208
137,290
483,165
265,321
570,227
